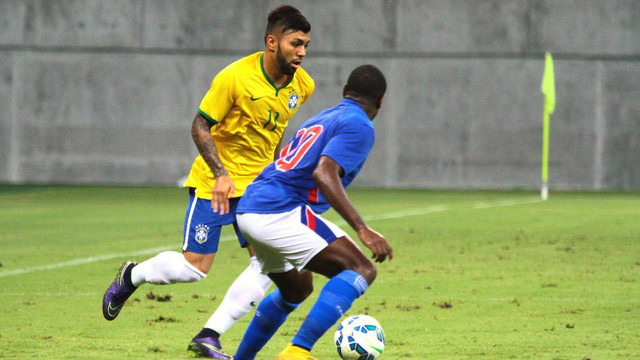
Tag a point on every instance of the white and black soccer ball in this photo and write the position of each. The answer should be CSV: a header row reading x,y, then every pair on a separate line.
x,y
359,337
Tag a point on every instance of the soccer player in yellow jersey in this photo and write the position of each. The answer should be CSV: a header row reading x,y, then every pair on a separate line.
x,y
237,130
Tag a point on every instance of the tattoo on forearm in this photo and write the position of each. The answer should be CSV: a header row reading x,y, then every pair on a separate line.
x,y
201,134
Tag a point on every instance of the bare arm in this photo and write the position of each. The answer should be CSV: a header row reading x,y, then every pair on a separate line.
x,y
224,187
327,177
201,135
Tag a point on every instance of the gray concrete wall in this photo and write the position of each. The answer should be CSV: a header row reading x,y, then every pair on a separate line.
x,y
104,91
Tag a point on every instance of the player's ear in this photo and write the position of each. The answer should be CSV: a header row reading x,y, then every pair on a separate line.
x,y
379,102
271,43
344,90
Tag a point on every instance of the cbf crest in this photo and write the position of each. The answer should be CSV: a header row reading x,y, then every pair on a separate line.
x,y
293,100
202,232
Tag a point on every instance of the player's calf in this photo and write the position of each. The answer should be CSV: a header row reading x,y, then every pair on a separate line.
x,y
168,267
336,298
342,254
295,287
271,313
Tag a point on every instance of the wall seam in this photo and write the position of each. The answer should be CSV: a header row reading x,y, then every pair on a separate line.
x,y
14,175
599,130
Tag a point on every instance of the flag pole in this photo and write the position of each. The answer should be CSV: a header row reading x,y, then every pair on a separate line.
x,y
548,89
544,192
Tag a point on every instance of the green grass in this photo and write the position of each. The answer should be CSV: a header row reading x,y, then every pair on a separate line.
x,y
492,275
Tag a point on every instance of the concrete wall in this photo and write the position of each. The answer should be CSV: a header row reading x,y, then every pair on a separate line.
x,y
104,91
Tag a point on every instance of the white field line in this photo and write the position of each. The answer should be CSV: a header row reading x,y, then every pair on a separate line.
x,y
81,261
407,213
51,294
383,216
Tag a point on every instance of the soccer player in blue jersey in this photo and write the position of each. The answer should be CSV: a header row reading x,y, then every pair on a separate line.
x,y
278,214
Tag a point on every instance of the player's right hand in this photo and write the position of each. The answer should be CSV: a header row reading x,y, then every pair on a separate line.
x,y
222,191
376,243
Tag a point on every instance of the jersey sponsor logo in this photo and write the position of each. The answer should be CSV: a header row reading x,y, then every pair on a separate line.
x,y
202,232
295,150
293,101
255,98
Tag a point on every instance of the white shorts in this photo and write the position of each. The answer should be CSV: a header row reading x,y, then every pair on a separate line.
x,y
288,240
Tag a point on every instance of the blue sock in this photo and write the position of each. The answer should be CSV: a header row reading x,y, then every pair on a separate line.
x,y
336,298
270,314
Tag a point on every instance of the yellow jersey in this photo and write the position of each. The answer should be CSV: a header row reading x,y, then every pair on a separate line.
x,y
249,115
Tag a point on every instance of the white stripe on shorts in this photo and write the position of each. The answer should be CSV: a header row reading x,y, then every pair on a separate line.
x,y
185,242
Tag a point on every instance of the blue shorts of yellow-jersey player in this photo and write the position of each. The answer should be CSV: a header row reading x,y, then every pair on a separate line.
x,y
202,226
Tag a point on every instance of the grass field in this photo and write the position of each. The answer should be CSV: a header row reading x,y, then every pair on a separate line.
x,y
492,275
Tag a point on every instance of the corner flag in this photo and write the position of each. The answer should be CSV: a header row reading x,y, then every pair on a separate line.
x,y
548,89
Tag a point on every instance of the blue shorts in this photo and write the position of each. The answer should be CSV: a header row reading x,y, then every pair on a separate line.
x,y
202,226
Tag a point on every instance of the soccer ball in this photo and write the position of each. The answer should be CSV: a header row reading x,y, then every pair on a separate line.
x,y
359,337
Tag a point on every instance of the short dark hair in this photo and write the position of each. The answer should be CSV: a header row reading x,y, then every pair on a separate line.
x,y
284,18
366,82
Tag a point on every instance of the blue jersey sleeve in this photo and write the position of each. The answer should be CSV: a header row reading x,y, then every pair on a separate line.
x,y
350,145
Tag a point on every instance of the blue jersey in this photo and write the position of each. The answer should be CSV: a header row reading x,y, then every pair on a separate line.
x,y
343,133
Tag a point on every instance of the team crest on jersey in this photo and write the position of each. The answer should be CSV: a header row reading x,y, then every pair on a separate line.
x,y
293,100
202,231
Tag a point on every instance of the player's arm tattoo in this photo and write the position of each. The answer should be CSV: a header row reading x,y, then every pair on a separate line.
x,y
201,134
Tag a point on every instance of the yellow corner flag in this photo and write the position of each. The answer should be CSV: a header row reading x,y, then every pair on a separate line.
x,y
548,86
548,89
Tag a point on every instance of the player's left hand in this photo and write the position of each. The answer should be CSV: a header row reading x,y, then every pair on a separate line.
x,y
376,243
222,191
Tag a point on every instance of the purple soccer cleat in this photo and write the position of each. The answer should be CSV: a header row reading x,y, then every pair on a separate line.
x,y
207,347
117,293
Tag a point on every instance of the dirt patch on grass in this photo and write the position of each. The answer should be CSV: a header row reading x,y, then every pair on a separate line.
x,y
158,298
408,307
167,319
572,311
443,305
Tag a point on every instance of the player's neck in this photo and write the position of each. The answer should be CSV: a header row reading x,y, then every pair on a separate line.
x,y
273,71
370,109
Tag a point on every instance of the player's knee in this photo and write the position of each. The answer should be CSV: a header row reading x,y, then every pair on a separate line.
x,y
368,271
201,262
192,273
297,294
189,277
